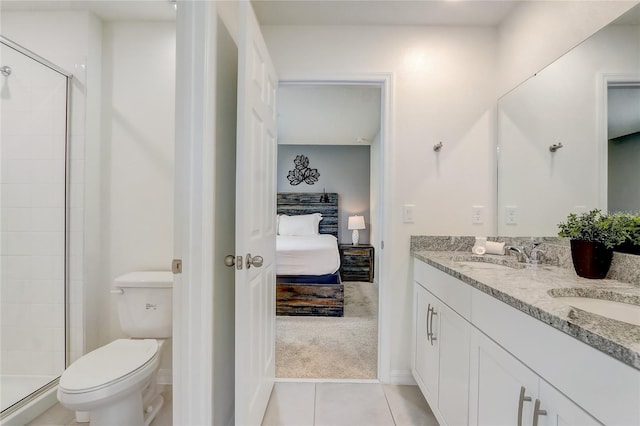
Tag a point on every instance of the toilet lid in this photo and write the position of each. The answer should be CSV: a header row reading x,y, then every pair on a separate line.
x,y
108,363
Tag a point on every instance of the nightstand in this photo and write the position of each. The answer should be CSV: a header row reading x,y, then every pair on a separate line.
x,y
356,262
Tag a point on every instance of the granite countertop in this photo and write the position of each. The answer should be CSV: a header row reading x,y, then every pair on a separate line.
x,y
529,289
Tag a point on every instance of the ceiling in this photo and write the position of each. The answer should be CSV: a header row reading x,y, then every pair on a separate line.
x,y
108,10
382,12
328,114
303,12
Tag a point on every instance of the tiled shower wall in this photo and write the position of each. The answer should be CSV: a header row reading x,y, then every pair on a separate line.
x,y
33,218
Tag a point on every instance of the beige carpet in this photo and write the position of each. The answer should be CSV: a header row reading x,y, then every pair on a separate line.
x,y
332,348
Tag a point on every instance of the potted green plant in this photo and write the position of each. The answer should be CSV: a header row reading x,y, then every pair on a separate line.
x,y
631,223
593,236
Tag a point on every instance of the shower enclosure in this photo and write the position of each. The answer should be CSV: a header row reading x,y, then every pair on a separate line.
x,y
34,123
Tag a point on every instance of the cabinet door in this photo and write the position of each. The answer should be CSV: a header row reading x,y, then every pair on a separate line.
x,y
497,382
453,391
560,410
426,353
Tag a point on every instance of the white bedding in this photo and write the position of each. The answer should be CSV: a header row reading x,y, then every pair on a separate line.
x,y
307,255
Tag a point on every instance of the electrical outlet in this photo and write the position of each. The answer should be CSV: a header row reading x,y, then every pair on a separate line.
x,y
477,214
511,215
407,213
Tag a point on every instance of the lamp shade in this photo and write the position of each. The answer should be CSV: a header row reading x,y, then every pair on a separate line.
x,y
356,222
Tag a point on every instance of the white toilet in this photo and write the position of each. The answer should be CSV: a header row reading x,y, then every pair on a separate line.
x,y
116,384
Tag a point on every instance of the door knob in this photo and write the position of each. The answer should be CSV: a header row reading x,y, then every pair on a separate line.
x,y
230,260
254,261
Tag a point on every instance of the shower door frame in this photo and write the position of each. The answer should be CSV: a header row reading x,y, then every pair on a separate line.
x,y
45,395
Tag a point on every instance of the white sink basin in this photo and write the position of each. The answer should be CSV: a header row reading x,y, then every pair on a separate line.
x,y
488,265
625,312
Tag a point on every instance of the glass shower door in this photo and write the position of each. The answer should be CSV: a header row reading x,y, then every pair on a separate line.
x,y
33,131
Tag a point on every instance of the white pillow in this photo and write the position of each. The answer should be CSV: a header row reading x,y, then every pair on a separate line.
x,y
300,225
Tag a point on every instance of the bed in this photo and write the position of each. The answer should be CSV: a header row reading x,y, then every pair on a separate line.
x,y
307,257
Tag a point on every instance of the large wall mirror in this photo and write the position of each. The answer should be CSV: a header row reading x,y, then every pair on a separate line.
x,y
569,137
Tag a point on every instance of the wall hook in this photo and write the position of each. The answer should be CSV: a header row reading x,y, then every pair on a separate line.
x,y
555,147
437,147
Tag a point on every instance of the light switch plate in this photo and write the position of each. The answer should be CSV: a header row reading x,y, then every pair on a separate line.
x,y
477,214
407,213
511,216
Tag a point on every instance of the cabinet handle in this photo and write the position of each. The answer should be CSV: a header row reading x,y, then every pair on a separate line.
x,y
428,313
433,337
537,412
521,401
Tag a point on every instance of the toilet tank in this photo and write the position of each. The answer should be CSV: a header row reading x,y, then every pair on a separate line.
x,y
145,303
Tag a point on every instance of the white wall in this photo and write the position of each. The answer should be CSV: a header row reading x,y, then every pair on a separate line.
x,y
444,90
559,104
537,33
343,169
137,154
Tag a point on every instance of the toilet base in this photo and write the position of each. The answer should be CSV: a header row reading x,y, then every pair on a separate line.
x,y
151,403
127,411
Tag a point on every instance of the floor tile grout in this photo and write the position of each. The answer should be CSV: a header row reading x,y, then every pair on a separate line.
x,y
388,405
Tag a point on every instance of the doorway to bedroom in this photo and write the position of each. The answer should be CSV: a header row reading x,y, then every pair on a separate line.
x,y
329,145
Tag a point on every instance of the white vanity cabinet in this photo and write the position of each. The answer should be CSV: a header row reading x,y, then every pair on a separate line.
x,y
479,361
441,356
506,392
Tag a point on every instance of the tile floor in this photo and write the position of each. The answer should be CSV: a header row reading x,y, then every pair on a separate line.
x,y
60,416
306,404
353,404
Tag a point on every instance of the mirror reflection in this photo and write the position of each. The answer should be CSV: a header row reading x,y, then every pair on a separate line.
x,y
569,137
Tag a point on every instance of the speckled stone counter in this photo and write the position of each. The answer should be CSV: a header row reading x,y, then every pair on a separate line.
x,y
530,289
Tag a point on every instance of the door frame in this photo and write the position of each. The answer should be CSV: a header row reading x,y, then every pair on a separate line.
x,y
195,132
602,123
385,81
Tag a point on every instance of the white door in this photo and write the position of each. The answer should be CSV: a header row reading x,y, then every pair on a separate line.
x,y
255,223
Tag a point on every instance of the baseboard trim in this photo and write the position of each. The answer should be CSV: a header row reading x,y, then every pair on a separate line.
x,y
165,376
302,380
401,377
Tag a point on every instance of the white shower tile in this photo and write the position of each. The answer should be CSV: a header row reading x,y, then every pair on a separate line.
x,y
48,171
16,171
16,243
14,291
46,291
39,339
47,219
340,404
16,267
17,219
17,362
46,267
291,404
47,243
15,314
16,195
47,195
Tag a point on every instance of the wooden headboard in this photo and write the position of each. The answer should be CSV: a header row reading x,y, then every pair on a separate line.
x,y
295,203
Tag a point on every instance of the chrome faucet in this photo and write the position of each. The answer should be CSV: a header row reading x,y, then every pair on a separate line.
x,y
532,258
520,252
535,253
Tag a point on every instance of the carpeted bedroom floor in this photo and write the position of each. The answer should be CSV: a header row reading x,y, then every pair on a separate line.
x,y
332,348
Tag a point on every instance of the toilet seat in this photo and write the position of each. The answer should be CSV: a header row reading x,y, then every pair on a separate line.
x,y
108,365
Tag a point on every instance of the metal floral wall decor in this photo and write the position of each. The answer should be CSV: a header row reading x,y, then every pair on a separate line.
x,y
301,172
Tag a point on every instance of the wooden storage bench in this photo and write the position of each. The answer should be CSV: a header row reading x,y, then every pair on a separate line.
x,y
310,295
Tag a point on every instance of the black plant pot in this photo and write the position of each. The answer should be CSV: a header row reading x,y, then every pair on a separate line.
x,y
591,259
628,247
